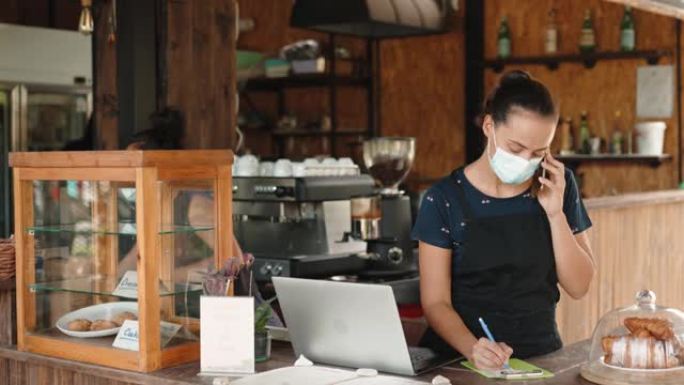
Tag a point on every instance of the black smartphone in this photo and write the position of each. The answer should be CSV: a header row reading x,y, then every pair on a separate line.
x,y
536,184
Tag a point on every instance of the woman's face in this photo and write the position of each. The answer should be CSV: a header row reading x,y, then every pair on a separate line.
x,y
524,133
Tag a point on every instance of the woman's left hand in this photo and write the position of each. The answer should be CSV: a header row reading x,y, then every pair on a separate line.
x,y
552,189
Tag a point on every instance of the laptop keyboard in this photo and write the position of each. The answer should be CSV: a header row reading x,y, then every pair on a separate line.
x,y
421,357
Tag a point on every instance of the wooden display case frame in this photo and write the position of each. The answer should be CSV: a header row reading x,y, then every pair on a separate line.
x,y
144,169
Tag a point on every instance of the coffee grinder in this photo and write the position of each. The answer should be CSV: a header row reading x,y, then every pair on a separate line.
x,y
383,220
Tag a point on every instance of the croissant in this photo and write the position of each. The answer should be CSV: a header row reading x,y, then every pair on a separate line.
x,y
642,353
658,328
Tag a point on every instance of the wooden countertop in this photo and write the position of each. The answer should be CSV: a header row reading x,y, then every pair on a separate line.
x,y
634,199
564,363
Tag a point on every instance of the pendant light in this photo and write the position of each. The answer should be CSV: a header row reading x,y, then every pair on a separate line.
x,y
85,22
373,18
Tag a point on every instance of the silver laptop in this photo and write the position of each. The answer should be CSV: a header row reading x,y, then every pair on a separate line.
x,y
350,324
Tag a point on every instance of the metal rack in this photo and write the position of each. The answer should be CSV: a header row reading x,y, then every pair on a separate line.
x,y
368,79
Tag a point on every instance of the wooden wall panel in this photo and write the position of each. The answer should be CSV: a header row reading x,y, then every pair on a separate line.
x,y
636,247
200,77
608,87
423,95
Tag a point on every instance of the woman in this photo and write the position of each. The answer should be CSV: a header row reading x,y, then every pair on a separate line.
x,y
498,236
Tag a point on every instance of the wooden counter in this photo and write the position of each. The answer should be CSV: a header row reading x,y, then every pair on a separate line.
x,y
19,368
638,244
636,199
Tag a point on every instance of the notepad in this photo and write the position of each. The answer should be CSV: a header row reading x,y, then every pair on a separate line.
x,y
515,364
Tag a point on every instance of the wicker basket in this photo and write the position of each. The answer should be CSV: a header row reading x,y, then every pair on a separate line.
x,y
7,259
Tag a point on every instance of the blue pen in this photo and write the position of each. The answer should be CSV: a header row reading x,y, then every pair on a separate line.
x,y
490,336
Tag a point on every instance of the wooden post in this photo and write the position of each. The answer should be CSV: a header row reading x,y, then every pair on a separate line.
x,y
147,218
105,216
223,199
26,261
167,244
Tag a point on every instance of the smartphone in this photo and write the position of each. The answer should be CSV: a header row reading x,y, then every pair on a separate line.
x,y
513,374
536,184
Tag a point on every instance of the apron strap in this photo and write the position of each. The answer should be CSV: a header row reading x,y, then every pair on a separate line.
x,y
460,195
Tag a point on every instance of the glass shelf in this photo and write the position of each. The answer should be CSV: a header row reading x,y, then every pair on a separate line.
x,y
123,228
105,286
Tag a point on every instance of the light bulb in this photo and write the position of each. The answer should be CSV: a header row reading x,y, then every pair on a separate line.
x,y
85,22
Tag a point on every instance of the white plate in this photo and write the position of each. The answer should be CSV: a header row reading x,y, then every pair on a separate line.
x,y
602,360
105,311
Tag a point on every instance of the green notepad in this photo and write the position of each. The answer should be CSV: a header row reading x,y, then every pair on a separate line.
x,y
515,364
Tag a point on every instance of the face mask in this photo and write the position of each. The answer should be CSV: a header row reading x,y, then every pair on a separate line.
x,y
510,168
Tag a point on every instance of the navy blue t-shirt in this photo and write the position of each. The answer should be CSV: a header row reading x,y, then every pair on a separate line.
x,y
440,218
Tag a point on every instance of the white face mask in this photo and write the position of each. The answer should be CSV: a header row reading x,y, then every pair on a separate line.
x,y
510,168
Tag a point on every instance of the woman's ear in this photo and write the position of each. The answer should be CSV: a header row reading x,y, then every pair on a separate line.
x,y
487,125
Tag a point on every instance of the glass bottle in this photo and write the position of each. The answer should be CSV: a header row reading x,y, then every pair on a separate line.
x,y
627,31
504,39
587,41
584,135
551,35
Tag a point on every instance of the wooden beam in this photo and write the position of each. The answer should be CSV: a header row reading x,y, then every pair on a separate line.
x,y
106,96
654,6
201,69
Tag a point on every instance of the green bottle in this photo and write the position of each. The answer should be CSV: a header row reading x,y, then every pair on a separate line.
x,y
627,32
504,39
585,147
587,41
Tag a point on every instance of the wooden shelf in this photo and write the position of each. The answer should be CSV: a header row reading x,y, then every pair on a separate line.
x,y
304,81
310,133
575,159
588,59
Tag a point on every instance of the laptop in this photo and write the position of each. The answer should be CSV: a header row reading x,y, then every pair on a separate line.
x,y
350,324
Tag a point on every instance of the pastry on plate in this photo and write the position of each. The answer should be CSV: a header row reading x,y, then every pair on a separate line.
x,y
102,324
640,353
123,316
650,344
79,325
657,327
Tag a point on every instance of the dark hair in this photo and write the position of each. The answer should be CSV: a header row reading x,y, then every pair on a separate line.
x,y
518,89
166,130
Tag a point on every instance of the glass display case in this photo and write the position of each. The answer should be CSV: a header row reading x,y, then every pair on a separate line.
x,y
111,251
638,344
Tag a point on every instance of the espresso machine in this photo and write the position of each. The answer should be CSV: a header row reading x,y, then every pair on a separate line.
x,y
383,219
300,226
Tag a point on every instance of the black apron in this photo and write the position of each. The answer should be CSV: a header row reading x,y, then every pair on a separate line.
x,y
507,276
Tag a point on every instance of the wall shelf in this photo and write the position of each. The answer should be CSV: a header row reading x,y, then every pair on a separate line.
x,y
588,59
311,133
304,81
575,159
365,75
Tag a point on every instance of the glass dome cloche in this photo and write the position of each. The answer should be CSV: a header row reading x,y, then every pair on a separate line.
x,y
638,344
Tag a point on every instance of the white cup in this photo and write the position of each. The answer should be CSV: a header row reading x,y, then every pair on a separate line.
x,y
347,162
298,169
266,168
247,165
283,168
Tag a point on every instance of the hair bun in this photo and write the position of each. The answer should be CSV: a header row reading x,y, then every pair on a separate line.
x,y
514,77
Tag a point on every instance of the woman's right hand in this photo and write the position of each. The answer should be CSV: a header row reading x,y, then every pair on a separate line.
x,y
490,355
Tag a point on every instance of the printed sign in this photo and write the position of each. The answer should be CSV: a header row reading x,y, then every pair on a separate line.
x,y
128,337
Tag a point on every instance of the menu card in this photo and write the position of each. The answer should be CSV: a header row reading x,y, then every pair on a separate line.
x,y
128,285
227,338
127,338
